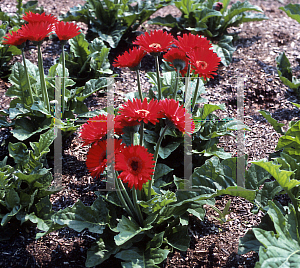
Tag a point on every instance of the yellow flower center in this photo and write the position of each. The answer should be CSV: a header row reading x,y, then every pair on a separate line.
x,y
155,45
142,112
202,64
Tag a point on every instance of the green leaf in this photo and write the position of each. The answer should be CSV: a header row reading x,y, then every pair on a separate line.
x,y
80,216
114,36
138,258
161,170
12,199
250,16
80,47
239,7
42,146
281,176
279,250
168,21
100,251
157,202
91,87
18,151
178,237
277,126
25,128
293,11
224,49
127,229
285,72
166,151
208,109
290,142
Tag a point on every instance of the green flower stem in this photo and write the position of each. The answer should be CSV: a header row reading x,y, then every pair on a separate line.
x,y
27,77
155,159
42,77
195,94
187,80
142,133
158,77
63,91
127,198
139,84
176,84
136,205
121,198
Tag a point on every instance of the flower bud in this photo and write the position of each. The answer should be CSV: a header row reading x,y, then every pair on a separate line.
x,y
218,6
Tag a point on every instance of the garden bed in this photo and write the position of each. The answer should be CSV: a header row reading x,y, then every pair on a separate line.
x,y
212,244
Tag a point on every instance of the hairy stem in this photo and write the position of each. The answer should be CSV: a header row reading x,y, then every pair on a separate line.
x,y
27,77
42,78
155,159
158,77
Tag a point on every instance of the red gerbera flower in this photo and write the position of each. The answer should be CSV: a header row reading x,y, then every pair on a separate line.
x,y
66,30
94,130
178,59
190,41
155,42
36,17
96,160
13,39
176,114
204,61
136,164
131,58
36,31
122,123
141,111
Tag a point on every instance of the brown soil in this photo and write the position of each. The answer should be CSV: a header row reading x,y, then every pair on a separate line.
x,y
212,245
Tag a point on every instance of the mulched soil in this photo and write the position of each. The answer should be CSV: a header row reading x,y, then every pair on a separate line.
x,y
212,245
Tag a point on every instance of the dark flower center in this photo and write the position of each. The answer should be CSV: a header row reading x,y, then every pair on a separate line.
x,y
155,45
201,64
135,165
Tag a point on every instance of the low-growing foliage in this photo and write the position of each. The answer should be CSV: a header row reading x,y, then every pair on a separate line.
x,y
24,187
16,20
112,20
30,111
276,238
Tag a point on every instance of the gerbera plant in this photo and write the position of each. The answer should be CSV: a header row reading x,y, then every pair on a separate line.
x,y
31,110
142,158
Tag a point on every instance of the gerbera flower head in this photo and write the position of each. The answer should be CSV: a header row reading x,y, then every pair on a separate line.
x,y
94,130
96,158
204,61
178,59
66,30
36,17
190,41
13,39
176,114
136,164
36,31
141,111
122,125
130,59
155,42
